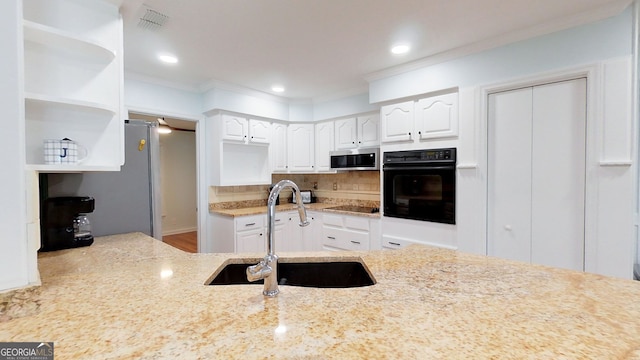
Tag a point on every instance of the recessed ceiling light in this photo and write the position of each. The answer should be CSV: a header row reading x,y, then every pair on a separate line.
x,y
277,88
169,59
400,49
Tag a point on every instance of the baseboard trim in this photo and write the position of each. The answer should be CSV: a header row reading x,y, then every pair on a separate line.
x,y
179,231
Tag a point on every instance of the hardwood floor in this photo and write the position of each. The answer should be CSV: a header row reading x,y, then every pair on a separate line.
x,y
186,241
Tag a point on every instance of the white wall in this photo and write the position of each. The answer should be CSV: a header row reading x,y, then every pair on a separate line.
x,y
178,182
17,261
600,50
146,96
246,102
604,39
350,105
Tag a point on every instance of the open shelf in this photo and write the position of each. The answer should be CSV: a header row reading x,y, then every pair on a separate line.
x,y
68,102
76,168
62,39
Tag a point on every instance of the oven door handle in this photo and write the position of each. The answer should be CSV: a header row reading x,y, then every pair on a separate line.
x,y
418,167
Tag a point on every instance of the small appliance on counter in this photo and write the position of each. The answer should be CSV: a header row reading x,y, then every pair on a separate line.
x,y
64,224
306,197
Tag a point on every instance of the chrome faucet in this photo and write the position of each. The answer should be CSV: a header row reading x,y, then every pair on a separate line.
x,y
267,268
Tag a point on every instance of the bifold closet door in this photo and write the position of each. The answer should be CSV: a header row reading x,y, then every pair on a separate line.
x,y
536,174
509,175
558,174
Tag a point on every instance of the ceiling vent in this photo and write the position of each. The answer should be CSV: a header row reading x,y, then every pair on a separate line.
x,y
151,19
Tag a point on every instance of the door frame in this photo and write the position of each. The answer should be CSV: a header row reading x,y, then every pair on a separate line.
x,y
202,191
593,75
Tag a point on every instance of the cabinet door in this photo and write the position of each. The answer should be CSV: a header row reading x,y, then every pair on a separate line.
x,y
396,122
369,130
301,147
437,116
346,134
312,233
234,128
324,145
259,131
250,241
279,147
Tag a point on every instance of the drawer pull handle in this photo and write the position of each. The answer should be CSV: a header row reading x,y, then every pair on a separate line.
x,y
278,220
393,243
249,224
355,242
331,237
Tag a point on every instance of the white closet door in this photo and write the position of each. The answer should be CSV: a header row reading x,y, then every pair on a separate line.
x,y
509,175
536,174
558,174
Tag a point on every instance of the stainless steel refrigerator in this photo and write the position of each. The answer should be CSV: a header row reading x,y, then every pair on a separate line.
x,y
127,200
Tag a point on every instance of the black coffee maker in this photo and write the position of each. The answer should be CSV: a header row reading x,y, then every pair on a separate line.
x,y
63,223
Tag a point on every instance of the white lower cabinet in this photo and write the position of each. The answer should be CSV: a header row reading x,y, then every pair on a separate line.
x,y
250,233
345,232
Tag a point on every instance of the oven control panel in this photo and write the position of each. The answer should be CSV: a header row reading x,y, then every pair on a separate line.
x,y
420,156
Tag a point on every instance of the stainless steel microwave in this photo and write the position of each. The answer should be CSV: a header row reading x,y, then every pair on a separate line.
x,y
355,159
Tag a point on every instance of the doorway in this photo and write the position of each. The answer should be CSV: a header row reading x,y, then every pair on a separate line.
x,y
178,180
536,178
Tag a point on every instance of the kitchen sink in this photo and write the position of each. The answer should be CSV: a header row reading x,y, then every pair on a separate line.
x,y
331,274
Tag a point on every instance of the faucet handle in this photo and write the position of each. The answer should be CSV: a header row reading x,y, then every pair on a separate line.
x,y
258,271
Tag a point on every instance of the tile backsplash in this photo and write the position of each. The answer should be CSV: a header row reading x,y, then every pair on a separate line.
x,y
351,187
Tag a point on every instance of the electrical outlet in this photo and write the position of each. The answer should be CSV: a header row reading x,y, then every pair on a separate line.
x,y
335,186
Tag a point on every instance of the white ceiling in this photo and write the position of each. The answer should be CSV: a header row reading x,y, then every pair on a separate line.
x,y
320,49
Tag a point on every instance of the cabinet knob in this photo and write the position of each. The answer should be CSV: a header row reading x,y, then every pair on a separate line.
x,y
419,132
409,133
508,227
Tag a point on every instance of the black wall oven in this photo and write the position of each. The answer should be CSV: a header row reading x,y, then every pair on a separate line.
x,y
420,185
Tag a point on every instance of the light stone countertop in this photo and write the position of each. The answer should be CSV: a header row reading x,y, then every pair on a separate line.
x,y
132,297
255,210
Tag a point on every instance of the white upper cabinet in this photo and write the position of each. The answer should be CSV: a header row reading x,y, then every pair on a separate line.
x,y
233,159
324,145
428,118
237,128
346,130
73,71
368,130
234,128
301,147
397,122
362,131
259,131
437,116
279,155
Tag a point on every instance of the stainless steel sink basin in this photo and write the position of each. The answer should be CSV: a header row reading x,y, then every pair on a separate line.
x,y
331,274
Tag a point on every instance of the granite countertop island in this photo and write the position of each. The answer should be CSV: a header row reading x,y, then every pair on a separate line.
x,y
132,297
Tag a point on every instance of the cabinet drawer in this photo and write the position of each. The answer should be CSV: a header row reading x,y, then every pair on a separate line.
x,y
280,219
356,223
331,237
249,222
332,220
352,240
392,242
